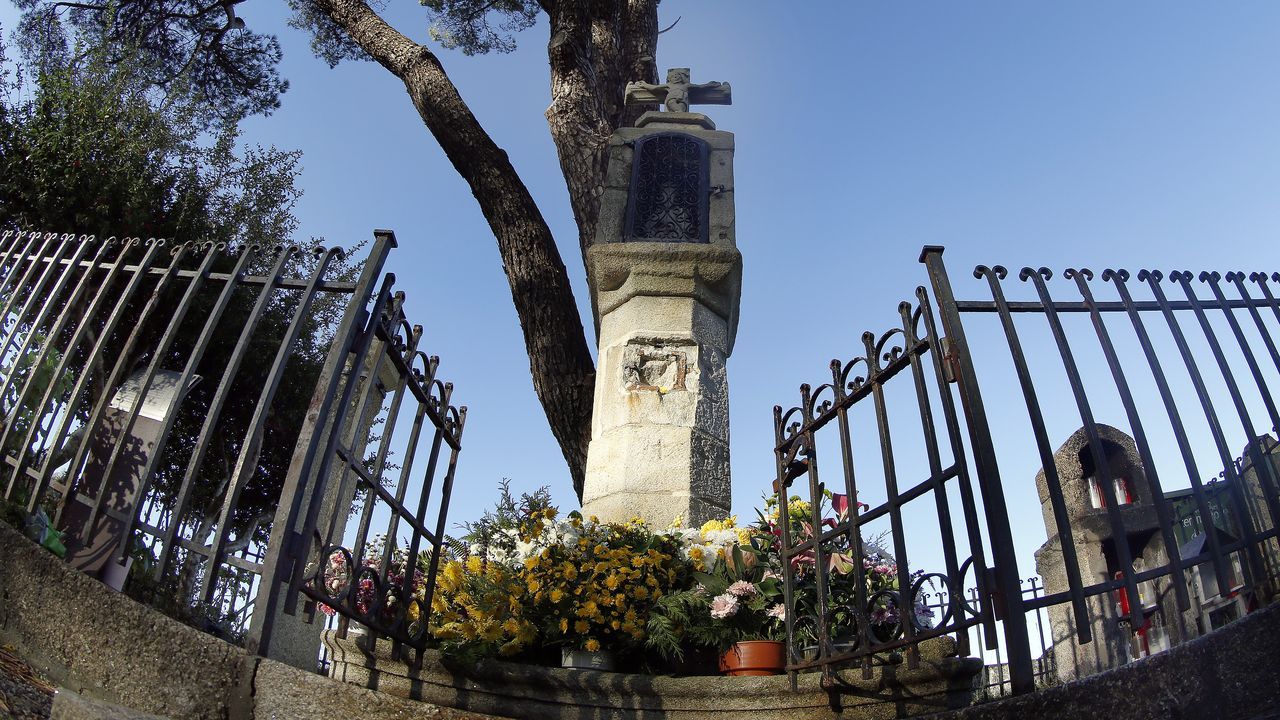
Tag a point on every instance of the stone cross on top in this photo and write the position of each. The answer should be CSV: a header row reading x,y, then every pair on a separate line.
x,y
678,93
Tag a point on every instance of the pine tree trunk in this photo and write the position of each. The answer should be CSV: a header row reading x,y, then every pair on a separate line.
x,y
559,360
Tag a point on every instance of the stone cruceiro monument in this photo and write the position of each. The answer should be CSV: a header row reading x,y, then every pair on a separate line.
x,y
666,279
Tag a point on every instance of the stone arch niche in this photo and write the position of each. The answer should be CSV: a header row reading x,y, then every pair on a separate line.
x,y
670,190
1095,545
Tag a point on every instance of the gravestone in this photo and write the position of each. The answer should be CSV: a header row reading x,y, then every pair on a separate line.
x,y
92,549
666,280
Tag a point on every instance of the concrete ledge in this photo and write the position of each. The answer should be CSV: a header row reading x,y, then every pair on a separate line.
x,y
544,693
68,705
102,644
1232,673
281,691
116,658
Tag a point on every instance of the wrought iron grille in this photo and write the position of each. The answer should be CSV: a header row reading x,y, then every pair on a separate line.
x,y
669,190
385,587
876,620
1109,496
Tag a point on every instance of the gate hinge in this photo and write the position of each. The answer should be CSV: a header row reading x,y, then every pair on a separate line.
x,y
950,361
996,593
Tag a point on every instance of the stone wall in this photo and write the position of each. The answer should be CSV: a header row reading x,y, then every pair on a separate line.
x,y
1233,673
101,644
544,693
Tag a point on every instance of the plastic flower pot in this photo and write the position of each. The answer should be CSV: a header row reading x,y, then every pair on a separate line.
x,y
603,660
754,658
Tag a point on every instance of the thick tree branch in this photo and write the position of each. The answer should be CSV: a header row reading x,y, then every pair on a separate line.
x,y
560,363
579,125
595,48
639,49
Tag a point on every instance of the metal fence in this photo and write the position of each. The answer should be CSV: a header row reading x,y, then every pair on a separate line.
x,y
175,410
1121,577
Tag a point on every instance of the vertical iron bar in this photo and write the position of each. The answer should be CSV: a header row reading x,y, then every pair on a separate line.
x,y
216,405
1215,428
39,410
58,436
415,542
446,492
357,436
1066,536
188,371
906,612
988,470
788,579
1102,466
10,242
251,446
1238,279
1163,513
122,359
967,502
384,446
278,564
33,263
158,355
1267,471
48,307
840,384
929,430
393,522
1119,278
33,293
820,573
310,531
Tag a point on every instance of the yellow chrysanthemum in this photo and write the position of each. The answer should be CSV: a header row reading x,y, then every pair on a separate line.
x,y
592,645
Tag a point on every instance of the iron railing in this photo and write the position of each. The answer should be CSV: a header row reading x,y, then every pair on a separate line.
x,y
176,408
1137,571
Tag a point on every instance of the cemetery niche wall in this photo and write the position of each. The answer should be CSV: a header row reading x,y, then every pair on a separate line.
x,y
1115,639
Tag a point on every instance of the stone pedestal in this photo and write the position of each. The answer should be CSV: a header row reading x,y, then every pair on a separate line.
x,y
660,431
667,316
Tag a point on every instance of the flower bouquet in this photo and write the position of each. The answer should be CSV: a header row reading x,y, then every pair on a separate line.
x,y
738,598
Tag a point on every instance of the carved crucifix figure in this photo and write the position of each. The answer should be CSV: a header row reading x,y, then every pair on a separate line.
x,y
678,93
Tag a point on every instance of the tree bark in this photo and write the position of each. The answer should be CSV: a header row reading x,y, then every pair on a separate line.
x,y
595,49
559,360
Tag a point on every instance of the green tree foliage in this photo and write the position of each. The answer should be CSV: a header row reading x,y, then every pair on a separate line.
x,y
89,145
232,70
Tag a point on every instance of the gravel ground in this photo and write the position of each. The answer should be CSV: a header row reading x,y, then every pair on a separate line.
x,y
23,694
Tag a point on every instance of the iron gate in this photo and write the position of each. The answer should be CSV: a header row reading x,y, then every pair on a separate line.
x,y
931,354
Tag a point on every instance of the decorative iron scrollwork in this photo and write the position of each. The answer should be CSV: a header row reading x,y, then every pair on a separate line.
x,y
669,190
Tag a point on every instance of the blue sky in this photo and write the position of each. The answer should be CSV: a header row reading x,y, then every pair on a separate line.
x,y
1096,134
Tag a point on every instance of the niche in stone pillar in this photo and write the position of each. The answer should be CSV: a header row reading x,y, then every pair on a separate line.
x,y
670,190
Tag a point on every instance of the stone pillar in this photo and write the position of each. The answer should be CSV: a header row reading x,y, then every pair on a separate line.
x,y
1095,551
666,280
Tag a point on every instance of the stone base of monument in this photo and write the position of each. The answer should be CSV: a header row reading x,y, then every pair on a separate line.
x,y
533,692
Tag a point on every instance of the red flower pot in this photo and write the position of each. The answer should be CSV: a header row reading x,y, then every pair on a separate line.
x,y
754,657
